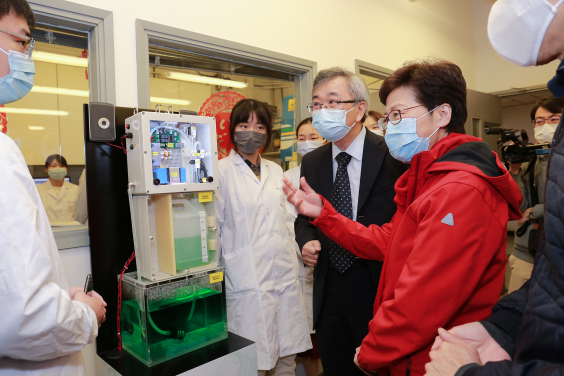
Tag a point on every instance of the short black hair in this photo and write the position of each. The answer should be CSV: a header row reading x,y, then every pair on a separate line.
x,y
242,112
305,121
554,105
62,161
434,82
21,8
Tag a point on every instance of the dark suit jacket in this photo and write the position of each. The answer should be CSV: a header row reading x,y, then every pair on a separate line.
x,y
375,201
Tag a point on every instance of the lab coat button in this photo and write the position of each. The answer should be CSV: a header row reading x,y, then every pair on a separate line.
x,y
274,257
271,234
268,210
276,282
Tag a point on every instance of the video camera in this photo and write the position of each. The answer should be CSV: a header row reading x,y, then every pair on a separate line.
x,y
520,151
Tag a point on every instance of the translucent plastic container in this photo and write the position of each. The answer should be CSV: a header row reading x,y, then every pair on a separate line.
x,y
188,232
165,319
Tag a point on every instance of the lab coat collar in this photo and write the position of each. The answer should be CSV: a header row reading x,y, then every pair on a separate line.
x,y
51,190
238,160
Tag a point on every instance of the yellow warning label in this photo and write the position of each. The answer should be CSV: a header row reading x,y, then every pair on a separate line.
x,y
216,277
155,153
292,104
170,145
205,196
174,174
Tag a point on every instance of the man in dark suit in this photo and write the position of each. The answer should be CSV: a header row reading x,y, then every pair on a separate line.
x,y
358,173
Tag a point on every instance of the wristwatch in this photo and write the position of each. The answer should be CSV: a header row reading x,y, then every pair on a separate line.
x,y
531,216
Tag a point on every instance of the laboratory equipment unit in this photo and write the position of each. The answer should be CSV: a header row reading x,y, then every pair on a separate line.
x,y
165,319
175,302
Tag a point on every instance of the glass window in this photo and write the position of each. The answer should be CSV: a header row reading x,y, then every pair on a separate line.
x,y
211,87
49,120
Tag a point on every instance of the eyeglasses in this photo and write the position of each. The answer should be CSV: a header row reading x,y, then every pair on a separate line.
x,y
26,41
553,120
330,104
393,117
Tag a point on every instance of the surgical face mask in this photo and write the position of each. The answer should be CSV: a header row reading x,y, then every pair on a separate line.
x,y
378,131
57,173
403,141
545,133
249,142
516,28
19,81
331,124
305,147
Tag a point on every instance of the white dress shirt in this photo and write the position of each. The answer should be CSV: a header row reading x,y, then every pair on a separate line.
x,y
354,168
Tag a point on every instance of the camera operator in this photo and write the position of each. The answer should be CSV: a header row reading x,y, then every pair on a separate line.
x,y
531,179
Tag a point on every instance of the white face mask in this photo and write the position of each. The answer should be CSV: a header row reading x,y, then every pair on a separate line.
x,y
378,131
305,147
516,28
545,133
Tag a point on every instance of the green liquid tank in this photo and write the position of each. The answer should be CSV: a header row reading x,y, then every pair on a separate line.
x,y
165,319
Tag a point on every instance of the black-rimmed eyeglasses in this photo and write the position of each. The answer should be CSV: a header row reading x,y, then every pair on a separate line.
x,y
393,117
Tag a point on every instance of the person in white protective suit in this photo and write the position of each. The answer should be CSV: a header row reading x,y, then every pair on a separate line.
x,y
44,324
264,297
308,140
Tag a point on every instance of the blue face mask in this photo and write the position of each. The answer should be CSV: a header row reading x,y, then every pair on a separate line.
x,y
403,141
19,82
331,124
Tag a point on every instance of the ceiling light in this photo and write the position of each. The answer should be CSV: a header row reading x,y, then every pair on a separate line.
x,y
205,80
60,59
31,111
35,128
180,102
60,91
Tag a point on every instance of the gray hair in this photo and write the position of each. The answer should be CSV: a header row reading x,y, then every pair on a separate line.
x,y
357,86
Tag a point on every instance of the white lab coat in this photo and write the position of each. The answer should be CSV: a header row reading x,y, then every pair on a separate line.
x,y
306,274
264,299
59,208
41,329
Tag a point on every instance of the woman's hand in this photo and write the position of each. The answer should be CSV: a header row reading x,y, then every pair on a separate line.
x,y
525,217
307,202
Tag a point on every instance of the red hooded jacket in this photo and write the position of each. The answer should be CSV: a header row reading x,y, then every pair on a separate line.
x,y
443,251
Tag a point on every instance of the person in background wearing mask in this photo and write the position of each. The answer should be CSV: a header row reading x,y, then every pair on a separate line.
x,y
264,296
525,333
308,140
371,122
58,195
358,173
531,178
44,323
444,249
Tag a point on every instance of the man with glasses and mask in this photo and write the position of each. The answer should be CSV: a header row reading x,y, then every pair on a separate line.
x,y
356,171
531,178
44,323
444,249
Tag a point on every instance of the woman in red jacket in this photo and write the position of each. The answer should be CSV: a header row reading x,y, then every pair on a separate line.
x,y
444,250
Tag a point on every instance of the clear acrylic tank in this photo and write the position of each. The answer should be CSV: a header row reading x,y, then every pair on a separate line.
x,y
165,319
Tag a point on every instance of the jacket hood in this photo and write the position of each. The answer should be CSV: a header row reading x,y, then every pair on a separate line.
x,y
460,152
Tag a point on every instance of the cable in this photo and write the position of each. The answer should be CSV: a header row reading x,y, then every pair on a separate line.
x,y
119,299
122,147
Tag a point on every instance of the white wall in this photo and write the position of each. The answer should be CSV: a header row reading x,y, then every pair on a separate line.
x,y
383,32
493,72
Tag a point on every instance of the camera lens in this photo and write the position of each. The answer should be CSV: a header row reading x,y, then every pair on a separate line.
x,y
515,153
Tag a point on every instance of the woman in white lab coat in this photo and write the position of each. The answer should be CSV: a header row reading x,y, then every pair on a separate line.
x,y
58,195
308,140
264,298
44,324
